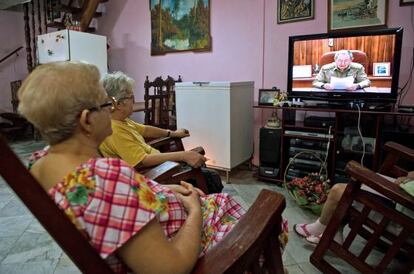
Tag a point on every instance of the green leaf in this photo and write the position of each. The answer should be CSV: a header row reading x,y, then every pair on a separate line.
x,y
79,196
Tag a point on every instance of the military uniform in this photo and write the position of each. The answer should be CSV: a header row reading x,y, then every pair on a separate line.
x,y
354,69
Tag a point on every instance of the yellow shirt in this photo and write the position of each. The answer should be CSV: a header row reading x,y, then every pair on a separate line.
x,y
126,142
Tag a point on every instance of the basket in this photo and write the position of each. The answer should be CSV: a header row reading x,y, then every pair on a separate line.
x,y
310,191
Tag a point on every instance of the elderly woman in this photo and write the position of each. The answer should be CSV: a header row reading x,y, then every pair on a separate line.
x,y
125,216
127,140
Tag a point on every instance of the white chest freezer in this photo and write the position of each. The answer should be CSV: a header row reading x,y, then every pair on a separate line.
x,y
219,116
70,45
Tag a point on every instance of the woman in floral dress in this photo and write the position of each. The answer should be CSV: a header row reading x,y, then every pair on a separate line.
x,y
136,224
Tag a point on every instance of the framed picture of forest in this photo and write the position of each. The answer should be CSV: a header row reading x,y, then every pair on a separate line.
x,y
180,25
295,10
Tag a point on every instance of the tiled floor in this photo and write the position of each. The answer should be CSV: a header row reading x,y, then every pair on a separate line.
x,y
26,248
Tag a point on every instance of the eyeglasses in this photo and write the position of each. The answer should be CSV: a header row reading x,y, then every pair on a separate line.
x,y
110,103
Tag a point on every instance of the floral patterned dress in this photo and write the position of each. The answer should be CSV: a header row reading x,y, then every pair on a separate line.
x,y
109,202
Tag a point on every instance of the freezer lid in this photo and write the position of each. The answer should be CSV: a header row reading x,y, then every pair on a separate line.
x,y
53,46
213,84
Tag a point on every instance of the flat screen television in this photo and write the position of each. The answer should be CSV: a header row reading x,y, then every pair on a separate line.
x,y
376,56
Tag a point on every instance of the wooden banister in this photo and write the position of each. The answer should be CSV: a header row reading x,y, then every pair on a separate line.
x,y
10,54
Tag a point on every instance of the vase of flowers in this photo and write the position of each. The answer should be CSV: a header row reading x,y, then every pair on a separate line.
x,y
310,191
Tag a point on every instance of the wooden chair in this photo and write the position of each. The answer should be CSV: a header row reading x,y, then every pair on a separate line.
x,y
359,57
255,234
375,232
159,99
169,144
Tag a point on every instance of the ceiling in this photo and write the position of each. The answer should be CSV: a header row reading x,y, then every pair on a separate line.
x,y
7,4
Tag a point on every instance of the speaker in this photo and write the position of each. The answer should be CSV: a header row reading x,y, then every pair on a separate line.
x,y
270,147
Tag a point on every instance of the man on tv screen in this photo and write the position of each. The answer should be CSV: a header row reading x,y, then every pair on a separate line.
x,y
342,74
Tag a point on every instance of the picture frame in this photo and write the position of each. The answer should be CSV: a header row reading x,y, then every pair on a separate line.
x,y
295,10
267,96
356,15
174,27
381,69
406,2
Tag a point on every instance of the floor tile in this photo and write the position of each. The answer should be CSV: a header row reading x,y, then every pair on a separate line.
x,y
6,244
33,247
41,267
14,208
14,226
65,266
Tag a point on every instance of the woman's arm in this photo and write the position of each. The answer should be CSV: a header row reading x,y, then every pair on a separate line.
x,y
156,132
192,158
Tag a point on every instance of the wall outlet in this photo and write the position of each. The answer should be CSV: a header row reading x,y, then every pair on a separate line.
x,y
330,42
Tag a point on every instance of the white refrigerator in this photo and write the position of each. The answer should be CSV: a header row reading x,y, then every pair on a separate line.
x,y
70,45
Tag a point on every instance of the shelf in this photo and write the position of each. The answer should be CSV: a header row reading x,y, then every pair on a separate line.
x,y
299,125
353,152
268,179
309,137
335,110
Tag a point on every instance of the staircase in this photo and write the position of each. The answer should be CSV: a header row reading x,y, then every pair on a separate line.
x,y
39,17
76,16
56,15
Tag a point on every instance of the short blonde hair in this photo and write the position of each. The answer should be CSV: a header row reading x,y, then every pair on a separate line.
x,y
54,94
118,84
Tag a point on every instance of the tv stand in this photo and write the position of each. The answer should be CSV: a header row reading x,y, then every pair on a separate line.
x,y
341,133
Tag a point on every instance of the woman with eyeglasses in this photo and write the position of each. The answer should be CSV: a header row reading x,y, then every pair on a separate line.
x,y
134,223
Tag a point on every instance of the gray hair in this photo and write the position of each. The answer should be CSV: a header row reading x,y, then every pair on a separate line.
x,y
54,94
118,84
343,52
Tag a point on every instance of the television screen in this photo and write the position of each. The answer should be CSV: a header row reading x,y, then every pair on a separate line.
x,y
345,65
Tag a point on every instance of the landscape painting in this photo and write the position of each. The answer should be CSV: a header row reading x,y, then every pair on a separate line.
x,y
180,25
354,14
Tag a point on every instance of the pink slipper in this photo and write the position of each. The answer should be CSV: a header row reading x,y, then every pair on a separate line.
x,y
301,230
314,239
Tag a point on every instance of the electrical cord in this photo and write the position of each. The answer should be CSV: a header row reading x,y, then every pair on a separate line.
x,y
360,134
327,149
292,160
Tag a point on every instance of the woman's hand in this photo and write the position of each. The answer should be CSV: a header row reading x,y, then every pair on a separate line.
x,y
181,189
188,185
403,180
180,133
193,159
191,202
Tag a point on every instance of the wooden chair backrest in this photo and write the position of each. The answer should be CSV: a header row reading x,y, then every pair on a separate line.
x,y
48,214
159,100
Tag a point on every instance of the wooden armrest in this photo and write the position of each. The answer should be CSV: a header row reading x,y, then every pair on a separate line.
x,y
245,242
163,171
399,150
158,142
380,184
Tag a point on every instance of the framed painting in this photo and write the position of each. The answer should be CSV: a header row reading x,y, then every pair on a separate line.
x,y
180,25
406,2
295,10
356,14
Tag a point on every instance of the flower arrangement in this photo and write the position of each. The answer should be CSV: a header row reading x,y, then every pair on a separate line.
x,y
310,191
280,96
